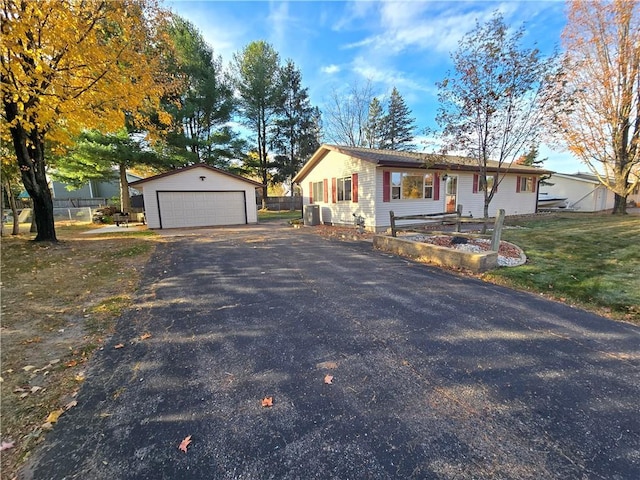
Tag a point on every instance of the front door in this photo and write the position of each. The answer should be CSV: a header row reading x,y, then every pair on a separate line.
x,y
451,193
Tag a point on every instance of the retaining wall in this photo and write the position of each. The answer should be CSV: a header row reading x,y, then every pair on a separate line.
x,y
474,262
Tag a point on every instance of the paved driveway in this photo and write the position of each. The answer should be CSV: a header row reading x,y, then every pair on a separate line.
x,y
434,375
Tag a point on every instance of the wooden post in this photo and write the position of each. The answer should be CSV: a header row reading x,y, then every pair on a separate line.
x,y
393,223
458,215
497,231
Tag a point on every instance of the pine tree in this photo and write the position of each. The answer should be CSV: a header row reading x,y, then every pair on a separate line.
x,y
374,133
257,74
399,125
297,133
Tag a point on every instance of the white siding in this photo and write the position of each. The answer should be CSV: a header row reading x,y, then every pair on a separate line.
x,y
189,181
581,194
337,165
514,203
376,212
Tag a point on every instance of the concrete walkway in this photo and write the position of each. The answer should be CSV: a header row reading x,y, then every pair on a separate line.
x,y
132,227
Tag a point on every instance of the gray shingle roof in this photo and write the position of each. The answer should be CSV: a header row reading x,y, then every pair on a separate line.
x,y
392,158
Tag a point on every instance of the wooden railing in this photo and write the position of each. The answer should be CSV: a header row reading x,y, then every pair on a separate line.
x,y
442,218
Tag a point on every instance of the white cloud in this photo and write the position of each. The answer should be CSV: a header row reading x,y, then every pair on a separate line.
x,y
225,35
278,19
390,78
330,69
432,26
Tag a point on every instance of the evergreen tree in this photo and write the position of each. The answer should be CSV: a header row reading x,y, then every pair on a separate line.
x,y
257,71
296,130
374,133
98,156
398,124
203,104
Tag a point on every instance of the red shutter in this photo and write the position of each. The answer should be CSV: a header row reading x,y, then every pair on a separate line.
x,y
476,179
354,188
534,182
518,184
436,186
310,192
333,190
325,191
386,186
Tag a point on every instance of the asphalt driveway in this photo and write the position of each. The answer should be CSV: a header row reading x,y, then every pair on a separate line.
x,y
434,375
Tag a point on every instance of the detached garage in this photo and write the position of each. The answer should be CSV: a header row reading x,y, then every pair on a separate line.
x,y
198,196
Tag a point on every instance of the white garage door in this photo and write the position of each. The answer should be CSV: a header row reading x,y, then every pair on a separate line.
x,y
201,209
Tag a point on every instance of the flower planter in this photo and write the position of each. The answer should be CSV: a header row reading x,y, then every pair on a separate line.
x,y
437,255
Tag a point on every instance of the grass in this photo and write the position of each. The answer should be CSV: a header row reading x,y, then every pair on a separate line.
x,y
59,304
271,215
591,260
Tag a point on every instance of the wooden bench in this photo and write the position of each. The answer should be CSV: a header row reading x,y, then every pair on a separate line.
x,y
119,218
441,218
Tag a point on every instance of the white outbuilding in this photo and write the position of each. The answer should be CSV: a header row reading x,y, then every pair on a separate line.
x,y
198,196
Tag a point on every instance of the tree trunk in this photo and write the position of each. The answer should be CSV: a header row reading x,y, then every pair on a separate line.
x,y
29,147
486,217
14,208
619,205
125,200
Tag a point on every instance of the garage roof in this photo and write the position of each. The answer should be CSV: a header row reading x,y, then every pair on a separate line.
x,y
191,167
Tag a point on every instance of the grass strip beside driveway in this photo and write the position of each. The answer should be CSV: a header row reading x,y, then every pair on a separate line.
x,y
59,305
592,260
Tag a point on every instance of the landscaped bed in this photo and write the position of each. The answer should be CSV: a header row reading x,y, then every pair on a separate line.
x,y
509,255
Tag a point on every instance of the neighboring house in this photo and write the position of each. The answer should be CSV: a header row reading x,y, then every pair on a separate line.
x,y
583,192
198,196
344,181
103,189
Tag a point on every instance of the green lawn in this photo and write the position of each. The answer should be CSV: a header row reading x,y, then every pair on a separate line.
x,y
592,260
268,215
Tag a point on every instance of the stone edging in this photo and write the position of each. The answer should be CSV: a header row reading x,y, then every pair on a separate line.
x,y
437,255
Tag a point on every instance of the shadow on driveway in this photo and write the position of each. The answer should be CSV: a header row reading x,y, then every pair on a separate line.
x,y
434,375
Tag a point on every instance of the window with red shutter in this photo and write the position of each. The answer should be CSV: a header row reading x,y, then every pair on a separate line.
x,y
386,186
354,188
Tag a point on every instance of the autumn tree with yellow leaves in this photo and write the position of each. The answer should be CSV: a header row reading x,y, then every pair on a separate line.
x,y
598,92
67,66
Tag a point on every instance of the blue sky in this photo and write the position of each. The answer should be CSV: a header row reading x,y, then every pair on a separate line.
x,y
406,44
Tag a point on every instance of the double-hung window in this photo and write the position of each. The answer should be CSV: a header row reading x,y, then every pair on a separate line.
x,y
318,191
527,184
428,185
344,189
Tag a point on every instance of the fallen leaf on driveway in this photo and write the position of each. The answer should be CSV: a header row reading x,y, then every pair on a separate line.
x,y
145,335
6,445
328,379
327,365
120,345
53,416
72,363
71,404
185,443
267,402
